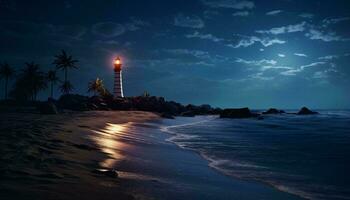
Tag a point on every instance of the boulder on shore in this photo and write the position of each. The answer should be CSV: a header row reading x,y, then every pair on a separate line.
x,y
74,102
47,108
237,113
306,111
188,114
167,116
273,111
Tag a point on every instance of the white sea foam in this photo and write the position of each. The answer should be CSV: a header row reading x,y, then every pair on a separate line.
x,y
222,141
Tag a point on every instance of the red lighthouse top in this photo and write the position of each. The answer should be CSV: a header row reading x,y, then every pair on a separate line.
x,y
117,64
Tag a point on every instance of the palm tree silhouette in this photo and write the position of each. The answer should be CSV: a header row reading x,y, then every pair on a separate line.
x,y
52,78
6,72
66,87
35,79
96,86
65,62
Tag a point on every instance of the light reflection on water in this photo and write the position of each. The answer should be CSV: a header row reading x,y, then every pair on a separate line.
x,y
108,140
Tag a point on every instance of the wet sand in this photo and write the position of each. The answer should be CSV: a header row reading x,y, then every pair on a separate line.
x,y
56,157
53,157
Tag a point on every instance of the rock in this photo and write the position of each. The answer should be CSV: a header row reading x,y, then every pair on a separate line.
x,y
237,113
188,114
167,115
74,102
47,108
306,111
107,172
273,111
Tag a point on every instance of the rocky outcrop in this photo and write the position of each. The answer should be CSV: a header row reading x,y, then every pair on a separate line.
x,y
74,102
306,111
188,114
237,113
168,109
48,108
273,111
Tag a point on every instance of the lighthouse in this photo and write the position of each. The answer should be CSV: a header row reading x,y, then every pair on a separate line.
x,y
118,82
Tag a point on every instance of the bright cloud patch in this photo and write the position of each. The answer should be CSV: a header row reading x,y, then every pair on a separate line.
x,y
314,34
285,29
300,54
250,40
204,36
274,12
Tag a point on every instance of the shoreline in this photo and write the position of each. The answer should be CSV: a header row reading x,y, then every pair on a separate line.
x,y
212,162
132,143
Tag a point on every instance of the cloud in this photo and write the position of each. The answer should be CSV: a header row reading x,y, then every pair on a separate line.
x,y
264,65
285,29
30,29
135,24
332,57
236,4
268,67
293,72
281,55
74,31
111,29
241,13
325,73
188,21
329,21
250,40
314,34
328,57
108,29
306,15
300,54
196,53
260,76
256,62
209,14
204,36
274,12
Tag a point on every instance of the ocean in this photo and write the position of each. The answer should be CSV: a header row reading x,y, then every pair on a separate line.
x,y
308,156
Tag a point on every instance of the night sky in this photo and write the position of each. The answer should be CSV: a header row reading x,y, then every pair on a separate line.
x,y
228,53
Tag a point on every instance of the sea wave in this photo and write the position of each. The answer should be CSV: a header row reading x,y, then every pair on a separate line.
x,y
227,144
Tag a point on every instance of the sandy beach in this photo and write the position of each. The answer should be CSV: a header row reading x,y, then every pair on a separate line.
x,y
52,157
64,157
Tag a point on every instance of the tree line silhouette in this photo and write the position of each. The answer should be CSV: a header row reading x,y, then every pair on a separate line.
x,y
31,79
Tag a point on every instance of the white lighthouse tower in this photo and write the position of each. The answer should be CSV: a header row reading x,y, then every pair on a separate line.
x,y
118,81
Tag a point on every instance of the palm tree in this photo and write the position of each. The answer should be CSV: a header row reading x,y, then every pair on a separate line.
x,y
96,86
64,62
66,87
36,79
52,78
6,72
30,81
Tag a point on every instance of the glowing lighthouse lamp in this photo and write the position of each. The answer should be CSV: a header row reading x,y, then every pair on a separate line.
x,y
118,82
